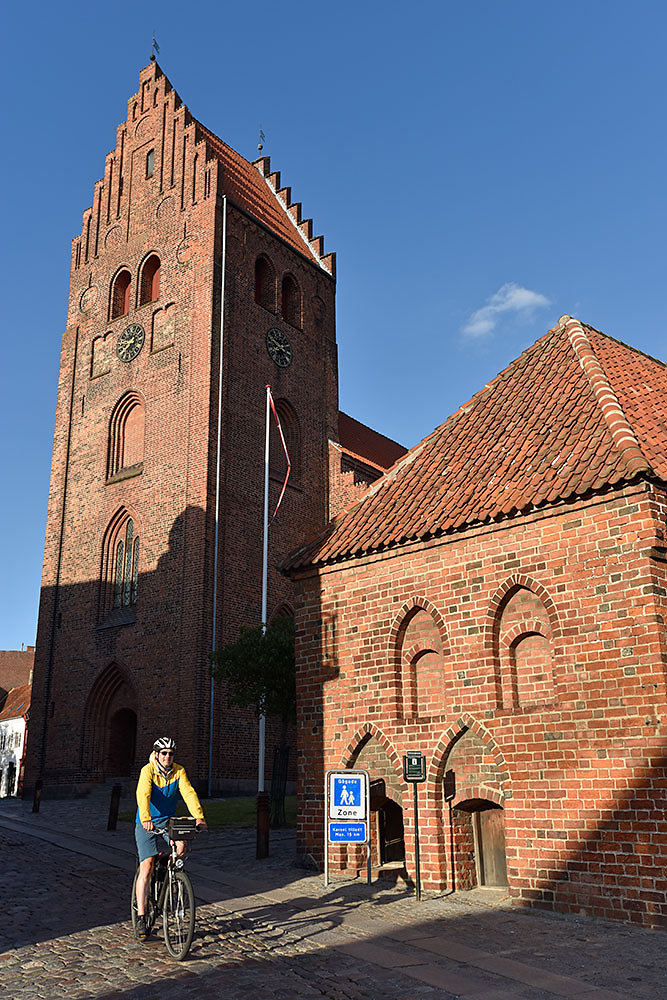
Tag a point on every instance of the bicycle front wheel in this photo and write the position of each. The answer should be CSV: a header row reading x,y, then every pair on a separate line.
x,y
178,915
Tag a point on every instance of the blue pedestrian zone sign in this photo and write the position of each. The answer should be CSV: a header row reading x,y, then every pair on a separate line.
x,y
347,796
347,833
346,812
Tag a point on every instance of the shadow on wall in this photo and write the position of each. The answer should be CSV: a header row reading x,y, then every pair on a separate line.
x,y
126,656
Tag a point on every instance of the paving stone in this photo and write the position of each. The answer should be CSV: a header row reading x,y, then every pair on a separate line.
x,y
270,929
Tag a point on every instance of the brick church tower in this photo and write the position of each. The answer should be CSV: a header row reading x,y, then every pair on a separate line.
x,y
194,283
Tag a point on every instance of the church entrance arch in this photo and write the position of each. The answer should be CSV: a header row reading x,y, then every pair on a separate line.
x,y
110,726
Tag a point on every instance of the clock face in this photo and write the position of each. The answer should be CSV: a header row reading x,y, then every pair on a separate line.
x,y
130,342
279,347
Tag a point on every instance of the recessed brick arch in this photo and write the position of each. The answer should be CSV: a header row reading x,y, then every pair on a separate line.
x,y
419,661
456,866
512,583
370,731
451,736
111,693
498,644
371,750
414,603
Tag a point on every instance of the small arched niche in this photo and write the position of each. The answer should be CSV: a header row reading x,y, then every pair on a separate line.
x,y
149,280
525,650
291,301
265,283
120,294
422,662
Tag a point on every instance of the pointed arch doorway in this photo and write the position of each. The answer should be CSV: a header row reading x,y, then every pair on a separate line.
x,y
110,726
474,817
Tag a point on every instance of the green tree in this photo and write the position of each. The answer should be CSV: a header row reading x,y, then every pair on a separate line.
x,y
259,671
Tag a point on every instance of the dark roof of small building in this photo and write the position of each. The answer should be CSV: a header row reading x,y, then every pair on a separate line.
x,y
576,413
16,703
364,443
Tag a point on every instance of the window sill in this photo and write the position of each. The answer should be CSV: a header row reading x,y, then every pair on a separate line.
x,y
127,473
118,617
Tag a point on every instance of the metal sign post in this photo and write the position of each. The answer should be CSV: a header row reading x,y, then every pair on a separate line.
x,y
346,812
414,770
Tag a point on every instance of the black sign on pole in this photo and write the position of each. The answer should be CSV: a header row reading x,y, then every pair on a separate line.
x,y
414,766
414,771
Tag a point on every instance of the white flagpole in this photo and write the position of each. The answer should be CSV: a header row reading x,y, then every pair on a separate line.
x,y
265,577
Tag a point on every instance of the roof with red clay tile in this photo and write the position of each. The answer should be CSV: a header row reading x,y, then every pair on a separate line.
x,y
360,441
575,413
247,187
17,702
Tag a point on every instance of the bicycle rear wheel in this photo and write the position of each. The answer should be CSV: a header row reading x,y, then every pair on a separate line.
x,y
178,915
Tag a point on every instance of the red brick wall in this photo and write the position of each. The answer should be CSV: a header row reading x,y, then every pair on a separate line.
x,y
155,661
577,764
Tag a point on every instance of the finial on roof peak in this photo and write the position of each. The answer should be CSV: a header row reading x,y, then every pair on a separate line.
x,y
154,48
260,144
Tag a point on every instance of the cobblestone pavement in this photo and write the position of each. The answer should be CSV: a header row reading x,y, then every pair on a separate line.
x,y
270,929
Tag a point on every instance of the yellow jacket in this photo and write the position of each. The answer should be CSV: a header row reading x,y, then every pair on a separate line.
x,y
157,796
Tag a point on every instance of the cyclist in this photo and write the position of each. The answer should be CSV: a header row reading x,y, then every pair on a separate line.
x,y
160,783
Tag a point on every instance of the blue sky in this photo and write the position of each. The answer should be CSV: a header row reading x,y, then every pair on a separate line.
x,y
480,169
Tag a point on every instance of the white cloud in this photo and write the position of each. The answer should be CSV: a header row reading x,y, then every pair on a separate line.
x,y
509,298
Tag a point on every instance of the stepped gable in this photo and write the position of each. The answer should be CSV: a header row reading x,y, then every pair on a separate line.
x,y
360,441
17,702
577,412
157,110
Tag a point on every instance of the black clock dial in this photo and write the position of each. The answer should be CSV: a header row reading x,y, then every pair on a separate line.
x,y
130,342
279,347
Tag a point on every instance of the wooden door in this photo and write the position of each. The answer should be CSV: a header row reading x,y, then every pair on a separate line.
x,y
392,843
490,844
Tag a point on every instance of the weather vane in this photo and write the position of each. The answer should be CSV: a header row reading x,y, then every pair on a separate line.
x,y
260,145
154,48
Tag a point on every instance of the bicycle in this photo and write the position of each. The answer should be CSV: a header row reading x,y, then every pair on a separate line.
x,y
170,894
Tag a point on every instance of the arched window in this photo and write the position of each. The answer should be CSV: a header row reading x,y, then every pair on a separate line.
x,y
291,301
149,282
120,294
126,434
292,434
120,564
265,283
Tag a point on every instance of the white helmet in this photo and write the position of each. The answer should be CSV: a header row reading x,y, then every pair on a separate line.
x,y
164,743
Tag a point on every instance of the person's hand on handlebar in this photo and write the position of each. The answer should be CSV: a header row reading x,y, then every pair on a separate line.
x,y
148,825
201,825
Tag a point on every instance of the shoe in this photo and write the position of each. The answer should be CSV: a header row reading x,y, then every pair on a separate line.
x,y
141,930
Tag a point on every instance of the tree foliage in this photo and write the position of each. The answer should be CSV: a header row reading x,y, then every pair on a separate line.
x,y
259,671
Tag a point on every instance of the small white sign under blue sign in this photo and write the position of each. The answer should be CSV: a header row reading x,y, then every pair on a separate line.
x,y
347,833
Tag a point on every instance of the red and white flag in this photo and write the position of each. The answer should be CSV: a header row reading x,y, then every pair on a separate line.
x,y
282,441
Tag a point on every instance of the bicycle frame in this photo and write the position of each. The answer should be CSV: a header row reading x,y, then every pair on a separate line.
x,y
171,866
171,897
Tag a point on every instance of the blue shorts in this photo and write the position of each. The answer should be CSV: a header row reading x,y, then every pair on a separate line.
x,y
149,843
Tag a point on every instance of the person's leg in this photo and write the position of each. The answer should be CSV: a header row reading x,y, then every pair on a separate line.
x,y
143,882
147,848
181,848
